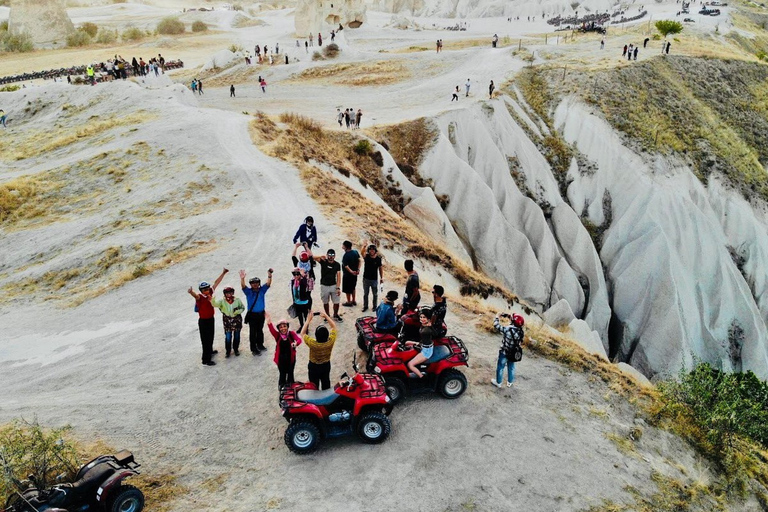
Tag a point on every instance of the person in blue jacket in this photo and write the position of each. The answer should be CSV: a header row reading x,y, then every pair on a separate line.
x,y
307,233
386,317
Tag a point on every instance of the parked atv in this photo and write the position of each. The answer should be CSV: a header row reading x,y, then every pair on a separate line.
x,y
389,359
98,486
367,336
355,405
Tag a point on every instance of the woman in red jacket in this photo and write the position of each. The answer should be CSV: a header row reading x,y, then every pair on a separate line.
x,y
285,350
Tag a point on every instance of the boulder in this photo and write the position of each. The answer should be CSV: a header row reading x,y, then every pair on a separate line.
x,y
559,315
588,339
635,374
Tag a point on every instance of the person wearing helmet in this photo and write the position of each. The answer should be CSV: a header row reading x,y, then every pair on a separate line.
x,y
425,337
255,295
306,263
205,311
231,309
307,233
512,337
286,342
320,348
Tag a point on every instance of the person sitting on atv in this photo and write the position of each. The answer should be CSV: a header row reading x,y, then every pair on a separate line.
x,y
386,319
438,311
425,334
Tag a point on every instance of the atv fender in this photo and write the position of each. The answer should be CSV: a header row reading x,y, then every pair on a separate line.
x,y
102,494
316,420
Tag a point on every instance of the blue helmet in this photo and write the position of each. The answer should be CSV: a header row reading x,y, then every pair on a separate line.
x,y
204,285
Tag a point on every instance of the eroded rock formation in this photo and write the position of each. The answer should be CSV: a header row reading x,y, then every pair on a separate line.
x,y
46,21
313,16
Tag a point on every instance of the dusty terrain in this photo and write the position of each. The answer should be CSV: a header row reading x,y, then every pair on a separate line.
x,y
166,188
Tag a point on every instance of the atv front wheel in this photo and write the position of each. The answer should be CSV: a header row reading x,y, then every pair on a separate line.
x,y
126,498
361,342
373,428
302,437
395,389
452,384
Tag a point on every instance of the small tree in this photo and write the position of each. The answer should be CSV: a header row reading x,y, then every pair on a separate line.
x,y
78,39
199,26
666,27
170,25
89,28
107,36
18,42
133,34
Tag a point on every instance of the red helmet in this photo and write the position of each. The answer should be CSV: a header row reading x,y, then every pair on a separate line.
x,y
304,257
518,320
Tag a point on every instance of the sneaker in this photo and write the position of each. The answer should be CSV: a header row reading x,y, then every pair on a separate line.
x,y
348,304
338,318
210,363
262,348
509,384
365,309
237,352
497,384
227,355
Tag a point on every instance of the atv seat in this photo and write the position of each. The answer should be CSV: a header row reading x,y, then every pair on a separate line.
x,y
312,396
439,353
93,478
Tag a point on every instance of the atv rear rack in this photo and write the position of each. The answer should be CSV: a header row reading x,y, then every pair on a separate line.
x,y
459,352
289,396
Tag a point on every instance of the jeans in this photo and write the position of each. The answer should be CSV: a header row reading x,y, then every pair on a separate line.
x,y
503,361
320,374
256,333
207,328
228,340
368,285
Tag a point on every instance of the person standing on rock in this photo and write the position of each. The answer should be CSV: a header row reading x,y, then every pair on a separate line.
x,y
232,91
455,95
412,294
350,264
307,233
255,296
205,311
231,309
512,337
373,277
320,348
311,41
330,283
333,35
306,46
319,39
491,88
286,342
668,47
437,46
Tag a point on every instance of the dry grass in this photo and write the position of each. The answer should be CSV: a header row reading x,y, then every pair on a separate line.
x,y
459,44
382,72
23,145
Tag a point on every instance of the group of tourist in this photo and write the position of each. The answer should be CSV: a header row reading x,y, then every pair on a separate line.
x,y
467,86
335,279
349,117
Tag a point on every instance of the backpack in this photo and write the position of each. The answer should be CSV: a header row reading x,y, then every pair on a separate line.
x,y
515,354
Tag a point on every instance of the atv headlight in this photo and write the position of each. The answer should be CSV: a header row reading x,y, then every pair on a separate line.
x,y
377,369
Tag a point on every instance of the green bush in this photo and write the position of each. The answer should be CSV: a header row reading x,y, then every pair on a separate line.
x,y
89,28
18,42
133,34
666,27
4,26
170,26
331,50
106,36
234,48
78,39
199,26
28,449
10,88
363,147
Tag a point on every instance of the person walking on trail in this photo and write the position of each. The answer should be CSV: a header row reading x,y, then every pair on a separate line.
x,y
412,295
263,85
286,342
602,43
319,39
306,46
645,41
466,87
373,276
307,233
339,116
255,297
386,317
358,118
350,264
512,337
320,348
346,117
455,94
668,46
330,282
437,46
635,52
200,87
300,294
232,91
624,52
91,74
231,309
491,88
3,118
495,40
205,311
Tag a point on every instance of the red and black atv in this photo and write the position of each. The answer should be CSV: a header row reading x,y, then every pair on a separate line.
x,y
368,337
355,405
389,359
98,486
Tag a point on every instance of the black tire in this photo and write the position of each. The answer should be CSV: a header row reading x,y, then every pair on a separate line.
x,y
373,428
302,437
395,389
126,498
361,342
452,383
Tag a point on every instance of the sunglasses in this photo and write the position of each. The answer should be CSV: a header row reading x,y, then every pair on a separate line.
x,y
296,273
